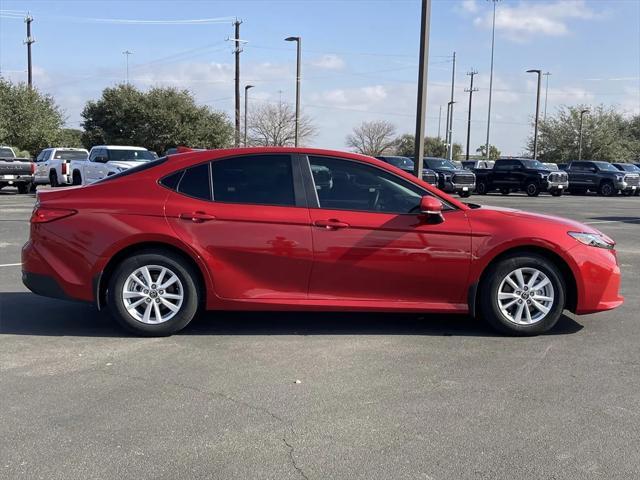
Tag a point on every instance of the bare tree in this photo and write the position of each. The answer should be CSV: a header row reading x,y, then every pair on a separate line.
x,y
372,138
273,125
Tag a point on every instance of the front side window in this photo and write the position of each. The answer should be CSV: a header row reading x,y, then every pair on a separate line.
x,y
254,179
349,185
504,165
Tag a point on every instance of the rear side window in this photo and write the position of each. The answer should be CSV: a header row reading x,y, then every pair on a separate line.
x,y
196,182
254,179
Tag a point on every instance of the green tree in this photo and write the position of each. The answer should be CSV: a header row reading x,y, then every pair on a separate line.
x,y
70,137
29,119
494,153
606,135
157,119
433,147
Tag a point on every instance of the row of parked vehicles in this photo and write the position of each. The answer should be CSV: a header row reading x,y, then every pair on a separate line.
x,y
77,166
533,177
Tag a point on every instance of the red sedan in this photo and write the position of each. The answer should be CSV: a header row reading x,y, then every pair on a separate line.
x,y
306,229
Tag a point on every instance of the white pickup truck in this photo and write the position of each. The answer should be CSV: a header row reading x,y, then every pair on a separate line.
x,y
105,160
53,165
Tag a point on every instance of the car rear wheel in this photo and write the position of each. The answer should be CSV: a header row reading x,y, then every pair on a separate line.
x,y
505,191
53,179
154,293
532,189
522,295
76,178
637,194
23,188
482,188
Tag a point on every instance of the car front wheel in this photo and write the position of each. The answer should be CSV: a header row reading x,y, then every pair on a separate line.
x,y
522,295
533,189
153,293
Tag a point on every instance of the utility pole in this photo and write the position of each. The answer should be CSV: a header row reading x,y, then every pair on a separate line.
x,y
472,74
439,121
493,44
126,53
28,19
535,128
423,71
582,112
246,101
298,41
237,51
546,95
450,126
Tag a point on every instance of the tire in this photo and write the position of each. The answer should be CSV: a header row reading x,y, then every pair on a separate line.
x,y
23,188
556,193
76,178
532,189
464,194
606,189
482,188
186,286
505,191
637,194
53,179
494,282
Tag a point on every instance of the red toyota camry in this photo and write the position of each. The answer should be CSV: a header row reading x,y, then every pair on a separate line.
x,y
306,229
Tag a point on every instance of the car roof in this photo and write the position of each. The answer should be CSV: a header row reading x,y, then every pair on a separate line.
x,y
118,147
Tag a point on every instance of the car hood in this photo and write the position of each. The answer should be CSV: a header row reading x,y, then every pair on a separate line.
x,y
571,225
123,164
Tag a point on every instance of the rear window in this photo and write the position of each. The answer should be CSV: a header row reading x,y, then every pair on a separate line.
x,y
70,155
131,155
6,152
196,182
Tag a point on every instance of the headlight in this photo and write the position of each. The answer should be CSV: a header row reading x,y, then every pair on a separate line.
x,y
619,177
542,175
120,169
594,240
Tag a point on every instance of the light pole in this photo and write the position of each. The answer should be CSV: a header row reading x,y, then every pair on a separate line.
x,y
126,53
493,43
421,97
582,112
246,100
535,128
546,95
298,41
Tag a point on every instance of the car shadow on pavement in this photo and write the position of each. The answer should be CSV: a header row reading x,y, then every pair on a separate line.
x,y
634,220
23,313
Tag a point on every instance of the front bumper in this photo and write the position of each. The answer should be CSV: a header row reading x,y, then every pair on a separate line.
x,y
449,186
556,186
625,187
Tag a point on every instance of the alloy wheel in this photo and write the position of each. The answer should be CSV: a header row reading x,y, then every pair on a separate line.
x,y
525,296
152,294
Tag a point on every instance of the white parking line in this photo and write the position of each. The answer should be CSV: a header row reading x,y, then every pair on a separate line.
x,y
11,265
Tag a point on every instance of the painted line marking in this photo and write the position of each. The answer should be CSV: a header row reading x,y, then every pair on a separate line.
x,y
11,265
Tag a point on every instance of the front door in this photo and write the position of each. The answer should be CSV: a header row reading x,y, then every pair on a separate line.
x,y
248,220
370,243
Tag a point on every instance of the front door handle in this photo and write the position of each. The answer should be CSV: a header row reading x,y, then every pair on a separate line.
x,y
197,217
331,224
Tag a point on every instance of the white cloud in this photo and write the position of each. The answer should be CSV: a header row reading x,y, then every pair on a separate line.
x,y
527,19
469,6
328,61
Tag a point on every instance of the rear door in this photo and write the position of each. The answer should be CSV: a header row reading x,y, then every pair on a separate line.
x,y
247,217
371,244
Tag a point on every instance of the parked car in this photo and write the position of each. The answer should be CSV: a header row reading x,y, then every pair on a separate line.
x,y
600,177
14,171
521,174
631,168
407,164
107,160
450,178
248,229
53,165
473,164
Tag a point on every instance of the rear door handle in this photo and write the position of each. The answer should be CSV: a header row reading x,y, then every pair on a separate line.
x,y
197,217
331,224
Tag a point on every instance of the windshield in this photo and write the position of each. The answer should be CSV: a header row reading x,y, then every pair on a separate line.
x,y
534,165
130,156
71,155
551,166
606,166
401,162
6,152
627,167
439,164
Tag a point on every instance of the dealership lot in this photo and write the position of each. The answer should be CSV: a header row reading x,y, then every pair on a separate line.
x,y
379,396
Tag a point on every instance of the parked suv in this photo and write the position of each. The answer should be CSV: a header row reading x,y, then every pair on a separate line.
x,y
601,177
407,164
53,165
106,160
521,174
631,168
451,178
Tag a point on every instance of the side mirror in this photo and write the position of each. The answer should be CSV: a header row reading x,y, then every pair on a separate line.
x,y
431,207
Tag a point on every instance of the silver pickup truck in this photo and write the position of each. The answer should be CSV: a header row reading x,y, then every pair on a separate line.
x,y
15,172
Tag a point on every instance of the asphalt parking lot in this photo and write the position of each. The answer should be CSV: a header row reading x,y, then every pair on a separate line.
x,y
380,396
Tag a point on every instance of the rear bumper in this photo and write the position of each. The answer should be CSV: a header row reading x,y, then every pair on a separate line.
x,y
44,285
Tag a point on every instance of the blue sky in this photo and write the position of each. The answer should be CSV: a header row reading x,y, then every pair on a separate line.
x,y
359,56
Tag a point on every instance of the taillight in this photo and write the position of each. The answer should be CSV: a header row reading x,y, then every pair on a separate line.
x,y
33,168
64,168
44,214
